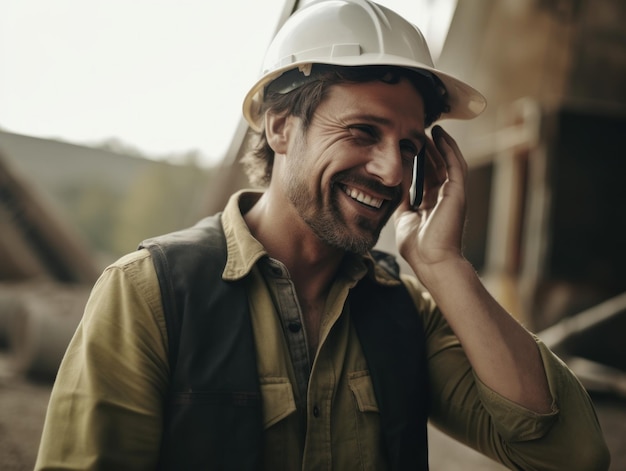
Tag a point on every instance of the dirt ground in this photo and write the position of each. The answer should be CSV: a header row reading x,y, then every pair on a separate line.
x,y
23,405
22,411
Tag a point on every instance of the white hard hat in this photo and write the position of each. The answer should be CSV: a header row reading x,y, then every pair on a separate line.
x,y
353,33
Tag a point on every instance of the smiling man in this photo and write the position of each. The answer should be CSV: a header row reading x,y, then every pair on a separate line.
x,y
272,335
347,171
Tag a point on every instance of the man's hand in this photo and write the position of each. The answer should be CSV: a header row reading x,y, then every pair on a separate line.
x,y
433,233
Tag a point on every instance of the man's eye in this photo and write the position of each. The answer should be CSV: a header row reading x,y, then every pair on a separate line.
x,y
363,131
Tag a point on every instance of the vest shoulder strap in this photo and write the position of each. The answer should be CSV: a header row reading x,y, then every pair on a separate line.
x,y
174,262
392,337
212,416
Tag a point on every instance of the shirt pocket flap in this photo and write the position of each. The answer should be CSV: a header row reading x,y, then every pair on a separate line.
x,y
278,401
361,385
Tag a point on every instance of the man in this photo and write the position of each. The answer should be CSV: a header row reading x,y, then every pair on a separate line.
x,y
272,337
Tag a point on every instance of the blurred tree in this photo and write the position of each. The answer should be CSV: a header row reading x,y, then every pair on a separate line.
x,y
165,198
92,207
118,146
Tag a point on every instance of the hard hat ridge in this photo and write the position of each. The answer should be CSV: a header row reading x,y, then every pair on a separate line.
x,y
352,33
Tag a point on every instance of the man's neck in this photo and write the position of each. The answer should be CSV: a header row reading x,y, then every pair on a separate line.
x,y
312,264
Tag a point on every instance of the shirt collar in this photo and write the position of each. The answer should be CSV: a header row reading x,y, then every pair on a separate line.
x,y
244,251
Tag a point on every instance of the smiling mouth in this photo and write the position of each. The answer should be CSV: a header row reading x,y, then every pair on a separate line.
x,y
363,198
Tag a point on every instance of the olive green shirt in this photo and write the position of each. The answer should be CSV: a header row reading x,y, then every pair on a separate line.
x,y
319,409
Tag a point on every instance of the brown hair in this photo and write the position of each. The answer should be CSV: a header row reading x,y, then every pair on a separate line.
x,y
303,100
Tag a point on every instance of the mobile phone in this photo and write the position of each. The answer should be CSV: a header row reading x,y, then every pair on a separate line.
x,y
417,183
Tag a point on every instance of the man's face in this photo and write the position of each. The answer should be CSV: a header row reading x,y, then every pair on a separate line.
x,y
351,168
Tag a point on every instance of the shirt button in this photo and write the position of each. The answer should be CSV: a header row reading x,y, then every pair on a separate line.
x,y
294,327
316,411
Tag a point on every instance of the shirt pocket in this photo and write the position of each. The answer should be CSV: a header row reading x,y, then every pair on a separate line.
x,y
278,400
360,383
367,432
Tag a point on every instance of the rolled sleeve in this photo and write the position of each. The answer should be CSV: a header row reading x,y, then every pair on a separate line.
x,y
513,422
568,437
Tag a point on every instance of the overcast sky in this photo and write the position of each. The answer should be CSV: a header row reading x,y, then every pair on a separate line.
x,y
163,76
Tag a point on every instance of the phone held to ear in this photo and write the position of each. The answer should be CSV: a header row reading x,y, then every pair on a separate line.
x,y
417,183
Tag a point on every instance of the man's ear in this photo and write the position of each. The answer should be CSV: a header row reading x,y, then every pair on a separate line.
x,y
277,128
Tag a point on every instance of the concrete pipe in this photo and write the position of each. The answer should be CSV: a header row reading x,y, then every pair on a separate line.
x,y
42,329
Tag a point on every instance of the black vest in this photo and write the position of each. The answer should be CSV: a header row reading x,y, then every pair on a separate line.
x,y
212,415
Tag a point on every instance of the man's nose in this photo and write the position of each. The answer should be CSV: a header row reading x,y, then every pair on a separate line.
x,y
386,165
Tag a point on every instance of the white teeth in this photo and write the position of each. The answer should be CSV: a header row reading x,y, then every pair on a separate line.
x,y
363,198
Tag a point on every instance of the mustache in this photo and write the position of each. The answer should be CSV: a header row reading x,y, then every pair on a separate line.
x,y
346,177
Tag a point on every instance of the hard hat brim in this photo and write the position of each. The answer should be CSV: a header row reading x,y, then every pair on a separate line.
x,y
464,101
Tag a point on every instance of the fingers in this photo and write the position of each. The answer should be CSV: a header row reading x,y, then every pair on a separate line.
x,y
436,172
444,163
456,166
444,166
434,175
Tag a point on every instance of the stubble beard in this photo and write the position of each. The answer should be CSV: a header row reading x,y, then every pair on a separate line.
x,y
328,223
